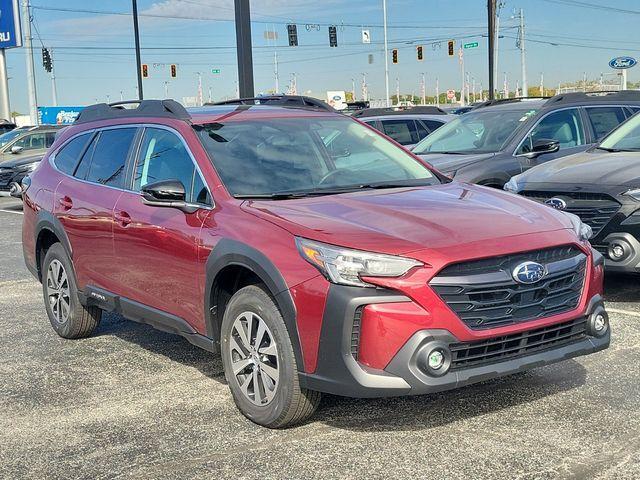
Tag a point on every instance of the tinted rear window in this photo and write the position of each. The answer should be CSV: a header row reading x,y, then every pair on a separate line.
x,y
110,156
67,157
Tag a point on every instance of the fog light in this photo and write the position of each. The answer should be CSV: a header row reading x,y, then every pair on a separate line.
x,y
616,251
436,359
599,323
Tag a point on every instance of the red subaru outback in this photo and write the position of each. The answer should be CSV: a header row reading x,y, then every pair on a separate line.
x,y
314,253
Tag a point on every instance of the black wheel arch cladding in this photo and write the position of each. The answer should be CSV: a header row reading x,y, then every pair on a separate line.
x,y
46,221
228,252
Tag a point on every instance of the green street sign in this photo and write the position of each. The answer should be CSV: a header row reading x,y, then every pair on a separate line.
x,y
215,70
470,45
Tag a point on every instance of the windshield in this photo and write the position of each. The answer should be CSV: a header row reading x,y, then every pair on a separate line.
x,y
7,137
480,131
626,137
268,157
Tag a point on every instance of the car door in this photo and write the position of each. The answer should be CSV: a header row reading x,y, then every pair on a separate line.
x,y
565,126
157,247
84,204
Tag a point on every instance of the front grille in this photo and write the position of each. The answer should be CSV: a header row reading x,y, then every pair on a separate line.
x,y
473,354
484,294
355,332
5,177
594,209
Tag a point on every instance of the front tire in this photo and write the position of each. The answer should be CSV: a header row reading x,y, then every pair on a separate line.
x,y
68,317
259,363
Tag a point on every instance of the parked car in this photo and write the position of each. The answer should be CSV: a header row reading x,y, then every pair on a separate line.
x,y
503,138
407,126
602,187
13,171
27,141
362,274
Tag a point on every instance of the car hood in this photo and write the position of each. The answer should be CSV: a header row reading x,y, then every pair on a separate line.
x,y
448,163
593,167
402,220
21,160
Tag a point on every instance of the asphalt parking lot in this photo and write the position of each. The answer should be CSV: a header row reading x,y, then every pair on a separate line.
x,y
135,402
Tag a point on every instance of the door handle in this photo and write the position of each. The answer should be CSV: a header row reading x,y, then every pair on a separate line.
x,y
66,203
123,218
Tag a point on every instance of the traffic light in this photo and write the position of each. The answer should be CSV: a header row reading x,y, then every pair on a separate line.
x,y
333,36
420,53
145,70
173,69
293,35
451,48
394,55
46,60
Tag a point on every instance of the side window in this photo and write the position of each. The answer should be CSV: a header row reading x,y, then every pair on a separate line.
x,y
50,138
163,156
402,131
432,124
422,130
110,155
373,124
604,119
32,142
564,126
67,157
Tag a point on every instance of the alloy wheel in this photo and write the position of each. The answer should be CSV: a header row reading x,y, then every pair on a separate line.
x,y
254,358
58,291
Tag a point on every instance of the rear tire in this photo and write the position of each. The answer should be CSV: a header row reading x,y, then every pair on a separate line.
x,y
259,363
68,317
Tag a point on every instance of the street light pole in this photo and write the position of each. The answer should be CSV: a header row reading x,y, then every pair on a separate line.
x,y
243,47
491,12
386,54
28,48
136,35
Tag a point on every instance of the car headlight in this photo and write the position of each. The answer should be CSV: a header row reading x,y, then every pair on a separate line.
x,y
583,231
345,266
29,167
512,185
634,193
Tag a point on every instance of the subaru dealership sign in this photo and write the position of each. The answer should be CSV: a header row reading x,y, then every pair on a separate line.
x,y
622,63
58,115
10,32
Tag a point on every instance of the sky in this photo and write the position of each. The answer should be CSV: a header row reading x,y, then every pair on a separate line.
x,y
94,59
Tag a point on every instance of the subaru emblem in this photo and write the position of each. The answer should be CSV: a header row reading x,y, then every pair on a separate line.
x,y
529,272
557,203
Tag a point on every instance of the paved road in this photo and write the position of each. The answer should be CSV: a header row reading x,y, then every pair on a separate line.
x,y
132,402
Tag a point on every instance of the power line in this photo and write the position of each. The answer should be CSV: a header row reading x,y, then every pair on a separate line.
x,y
578,3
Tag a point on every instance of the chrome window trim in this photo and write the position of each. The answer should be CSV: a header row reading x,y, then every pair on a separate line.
x,y
144,126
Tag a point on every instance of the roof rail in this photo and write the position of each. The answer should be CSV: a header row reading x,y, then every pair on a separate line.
x,y
145,108
417,110
601,96
499,101
294,101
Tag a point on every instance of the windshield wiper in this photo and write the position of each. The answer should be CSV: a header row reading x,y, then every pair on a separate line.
x,y
446,152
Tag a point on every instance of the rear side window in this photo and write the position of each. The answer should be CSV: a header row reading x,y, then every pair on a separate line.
x,y
402,131
433,124
68,156
110,153
604,119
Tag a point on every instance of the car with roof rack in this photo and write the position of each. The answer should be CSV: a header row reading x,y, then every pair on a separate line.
x,y
292,101
353,269
602,187
405,125
502,138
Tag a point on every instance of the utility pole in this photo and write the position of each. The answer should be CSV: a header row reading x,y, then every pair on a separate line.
x,y
275,71
293,88
365,89
166,89
473,81
491,25
461,57
136,35
437,92
397,90
243,46
523,60
467,88
541,84
353,89
200,99
54,89
4,87
28,48
584,81
386,54
424,90
211,95
121,95
505,92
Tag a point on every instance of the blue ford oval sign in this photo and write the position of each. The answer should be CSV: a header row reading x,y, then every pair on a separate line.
x,y
622,63
529,272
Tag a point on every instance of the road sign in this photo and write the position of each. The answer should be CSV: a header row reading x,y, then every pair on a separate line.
x,y
622,63
215,71
471,45
10,31
451,94
366,36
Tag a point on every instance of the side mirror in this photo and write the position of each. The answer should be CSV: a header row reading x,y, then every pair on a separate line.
x,y
167,193
16,149
544,145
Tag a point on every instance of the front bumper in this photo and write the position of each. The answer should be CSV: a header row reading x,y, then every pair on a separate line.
x,y
339,373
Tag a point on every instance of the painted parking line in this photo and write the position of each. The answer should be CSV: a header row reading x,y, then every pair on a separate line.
x,y
623,312
11,211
